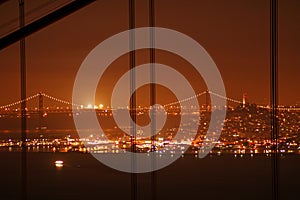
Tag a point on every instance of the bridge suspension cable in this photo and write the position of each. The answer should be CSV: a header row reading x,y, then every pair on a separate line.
x,y
61,101
184,100
37,95
19,102
226,98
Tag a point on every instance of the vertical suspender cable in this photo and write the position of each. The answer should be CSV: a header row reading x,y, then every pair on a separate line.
x,y
133,97
23,105
152,96
274,96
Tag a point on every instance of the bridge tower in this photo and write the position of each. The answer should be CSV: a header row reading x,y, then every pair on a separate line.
x,y
41,111
207,97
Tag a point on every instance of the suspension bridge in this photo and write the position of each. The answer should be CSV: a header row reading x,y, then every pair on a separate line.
x,y
40,96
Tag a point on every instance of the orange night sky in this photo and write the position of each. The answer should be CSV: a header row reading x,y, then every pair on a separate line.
x,y
235,33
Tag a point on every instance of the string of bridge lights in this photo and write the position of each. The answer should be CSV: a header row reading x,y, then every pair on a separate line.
x,y
61,101
166,105
19,102
37,95
184,100
226,98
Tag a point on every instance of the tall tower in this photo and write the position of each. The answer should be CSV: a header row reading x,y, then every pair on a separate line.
x,y
207,101
244,99
40,110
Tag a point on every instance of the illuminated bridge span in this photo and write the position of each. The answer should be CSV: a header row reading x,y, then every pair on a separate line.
x,y
229,100
41,95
